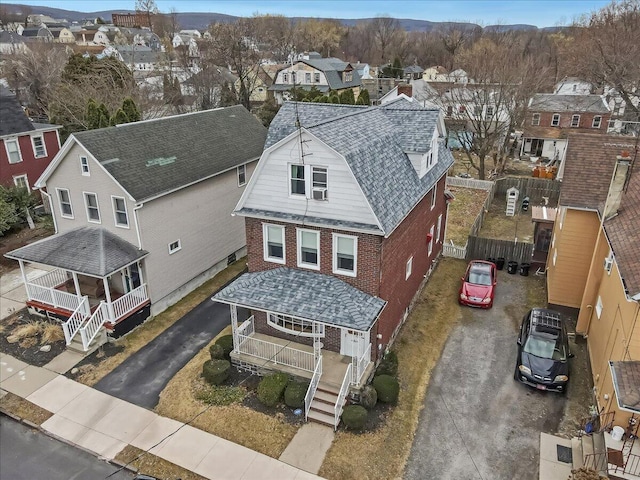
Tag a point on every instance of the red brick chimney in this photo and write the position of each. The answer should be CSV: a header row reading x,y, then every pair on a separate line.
x,y
406,89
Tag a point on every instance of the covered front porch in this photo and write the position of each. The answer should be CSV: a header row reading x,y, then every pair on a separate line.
x,y
97,280
306,324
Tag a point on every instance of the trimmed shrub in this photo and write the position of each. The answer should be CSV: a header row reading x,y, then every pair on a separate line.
x,y
294,394
216,371
216,351
226,342
368,397
271,388
388,365
354,417
387,388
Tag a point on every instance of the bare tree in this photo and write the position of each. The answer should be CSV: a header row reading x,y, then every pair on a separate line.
x,y
452,38
277,33
149,9
385,29
321,35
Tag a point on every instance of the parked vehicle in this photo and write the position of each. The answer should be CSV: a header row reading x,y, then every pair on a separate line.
x,y
543,351
478,284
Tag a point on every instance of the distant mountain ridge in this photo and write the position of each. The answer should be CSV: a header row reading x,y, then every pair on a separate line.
x,y
200,21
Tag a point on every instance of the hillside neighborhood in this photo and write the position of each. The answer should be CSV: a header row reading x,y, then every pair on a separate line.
x,y
312,248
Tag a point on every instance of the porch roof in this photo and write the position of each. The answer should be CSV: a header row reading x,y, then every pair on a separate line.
x,y
309,295
626,382
90,251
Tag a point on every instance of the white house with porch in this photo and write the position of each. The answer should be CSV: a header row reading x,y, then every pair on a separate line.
x,y
142,217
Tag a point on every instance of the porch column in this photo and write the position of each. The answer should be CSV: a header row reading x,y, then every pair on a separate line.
x,y
316,342
24,278
107,294
234,326
76,284
140,273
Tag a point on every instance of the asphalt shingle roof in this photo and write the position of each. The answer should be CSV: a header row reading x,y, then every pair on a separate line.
x,y
13,120
333,68
373,141
310,295
626,380
155,157
548,102
86,250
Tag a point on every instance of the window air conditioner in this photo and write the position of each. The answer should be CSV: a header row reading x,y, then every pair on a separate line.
x,y
319,193
608,263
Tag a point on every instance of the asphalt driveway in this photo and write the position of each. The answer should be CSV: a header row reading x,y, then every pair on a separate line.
x,y
477,422
141,377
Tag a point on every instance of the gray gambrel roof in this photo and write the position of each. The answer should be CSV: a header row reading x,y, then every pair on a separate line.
x,y
375,141
152,158
332,68
87,250
308,295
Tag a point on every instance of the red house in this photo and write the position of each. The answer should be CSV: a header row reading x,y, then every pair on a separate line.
x,y
26,148
345,218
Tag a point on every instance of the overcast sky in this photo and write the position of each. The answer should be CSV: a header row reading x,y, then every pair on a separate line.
x,y
542,13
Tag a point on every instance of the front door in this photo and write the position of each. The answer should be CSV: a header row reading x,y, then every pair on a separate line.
x,y
536,147
352,343
130,278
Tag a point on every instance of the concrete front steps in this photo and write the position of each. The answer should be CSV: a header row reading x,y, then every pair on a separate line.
x,y
322,408
99,340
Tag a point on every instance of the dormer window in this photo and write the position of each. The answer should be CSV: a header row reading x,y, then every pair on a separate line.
x,y
555,120
347,77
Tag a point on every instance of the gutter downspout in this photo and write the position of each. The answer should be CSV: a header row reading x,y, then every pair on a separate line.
x,y
55,223
135,219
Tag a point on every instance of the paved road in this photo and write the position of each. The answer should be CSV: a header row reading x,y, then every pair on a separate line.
x,y
141,378
28,454
477,422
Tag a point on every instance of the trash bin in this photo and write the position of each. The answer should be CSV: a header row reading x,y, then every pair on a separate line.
x,y
524,269
617,433
491,259
512,267
500,263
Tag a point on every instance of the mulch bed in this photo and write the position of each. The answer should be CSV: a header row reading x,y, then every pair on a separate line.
x,y
29,354
107,350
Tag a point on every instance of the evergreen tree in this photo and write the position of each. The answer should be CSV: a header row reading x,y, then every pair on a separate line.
x,y
364,94
93,115
119,117
347,97
334,99
131,110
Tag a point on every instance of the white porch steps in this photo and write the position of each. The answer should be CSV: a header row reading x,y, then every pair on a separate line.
x,y
322,408
97,342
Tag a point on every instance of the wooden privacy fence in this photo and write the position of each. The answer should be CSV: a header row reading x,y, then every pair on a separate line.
x,y
483,248
534,188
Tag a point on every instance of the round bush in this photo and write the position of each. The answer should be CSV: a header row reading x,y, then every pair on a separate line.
x,y
368,397
354,417
226,342
295,393
271,388
216,351
388,365
387,388
216,371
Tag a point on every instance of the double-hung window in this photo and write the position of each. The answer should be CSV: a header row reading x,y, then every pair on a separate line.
x,y
13,151
308,248
297,180
65,203
430,251
21,181
307,78
535,120
575,121
345,254
84,166
319,181
597,120
273,240
434,196
242,175
439,228
489,110
93,212
316,77
555,120
120,212
39,149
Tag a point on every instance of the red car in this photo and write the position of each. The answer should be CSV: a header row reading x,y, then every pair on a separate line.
x,y
478,284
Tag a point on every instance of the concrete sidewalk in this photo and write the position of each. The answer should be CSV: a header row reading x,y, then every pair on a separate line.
x,y
105,425
13,293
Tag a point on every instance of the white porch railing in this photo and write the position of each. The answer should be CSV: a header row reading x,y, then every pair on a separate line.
x,y
276,353
313,386
51,296
91,328
129,302
360,365
344,389
51,279
71,326
247,327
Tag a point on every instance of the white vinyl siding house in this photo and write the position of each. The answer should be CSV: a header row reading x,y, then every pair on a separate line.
x,y
344,198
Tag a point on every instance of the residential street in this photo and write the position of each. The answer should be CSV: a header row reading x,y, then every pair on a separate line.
x,y
29,454
477,422
142,377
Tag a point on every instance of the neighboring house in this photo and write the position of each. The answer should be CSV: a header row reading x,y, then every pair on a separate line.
x,y
62,34
458,76
594,265
400,89
572,86
260,80
412,72
86,37
142,59
26,148
623,120
102,38
142,217
378,87
345,218
141,36
131,20
435,74
11,42
364,70
37,33
551,118
311,70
